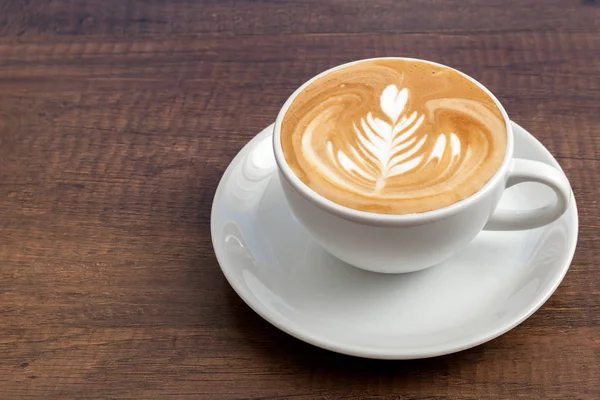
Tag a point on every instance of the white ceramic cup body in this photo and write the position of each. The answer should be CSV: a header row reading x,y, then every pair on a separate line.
x,y
405,243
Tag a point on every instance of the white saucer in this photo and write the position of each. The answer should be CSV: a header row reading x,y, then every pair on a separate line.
x,y
489,288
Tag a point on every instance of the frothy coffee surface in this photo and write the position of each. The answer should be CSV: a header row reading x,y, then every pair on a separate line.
x,y
394,136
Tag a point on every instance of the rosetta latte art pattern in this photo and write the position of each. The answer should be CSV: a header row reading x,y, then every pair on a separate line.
x,y
394,140
386,148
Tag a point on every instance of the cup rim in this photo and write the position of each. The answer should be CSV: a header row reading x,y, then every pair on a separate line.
x,y
372,218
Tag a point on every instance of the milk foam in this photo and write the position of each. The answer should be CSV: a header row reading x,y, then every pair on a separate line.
x,y
394,137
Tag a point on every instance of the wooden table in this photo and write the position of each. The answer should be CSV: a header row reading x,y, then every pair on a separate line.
x,y
117,119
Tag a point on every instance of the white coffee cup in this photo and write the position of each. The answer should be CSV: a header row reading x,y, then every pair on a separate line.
x,y
405,243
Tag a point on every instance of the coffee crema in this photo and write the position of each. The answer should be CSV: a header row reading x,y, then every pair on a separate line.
x,y
394,136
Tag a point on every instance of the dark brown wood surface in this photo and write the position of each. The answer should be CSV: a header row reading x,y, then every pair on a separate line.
x,y
117,119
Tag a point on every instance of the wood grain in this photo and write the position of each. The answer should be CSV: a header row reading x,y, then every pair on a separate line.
x,y
117,119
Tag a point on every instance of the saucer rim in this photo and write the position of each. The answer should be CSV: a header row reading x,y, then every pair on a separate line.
x,y
377,353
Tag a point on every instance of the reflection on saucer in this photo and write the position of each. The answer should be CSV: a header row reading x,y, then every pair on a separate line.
x,y
252,175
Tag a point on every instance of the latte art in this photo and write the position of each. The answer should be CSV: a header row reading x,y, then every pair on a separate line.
x,y
393,136
384,148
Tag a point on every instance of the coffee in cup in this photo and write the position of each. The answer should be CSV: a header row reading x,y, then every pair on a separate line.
x,y
394,136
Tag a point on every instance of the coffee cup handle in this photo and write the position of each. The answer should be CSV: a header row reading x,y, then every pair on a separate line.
x,y
521,171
